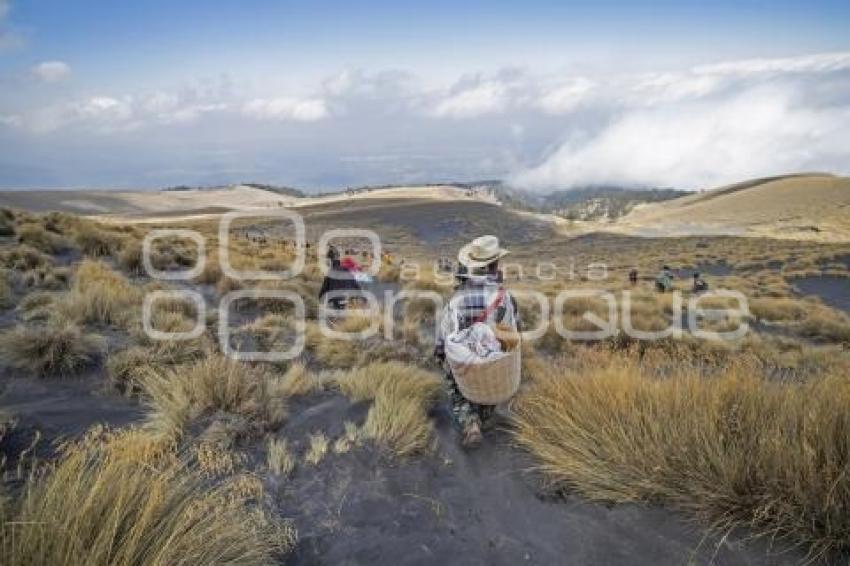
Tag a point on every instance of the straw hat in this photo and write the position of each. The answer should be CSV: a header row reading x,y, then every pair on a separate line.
x,y
481,252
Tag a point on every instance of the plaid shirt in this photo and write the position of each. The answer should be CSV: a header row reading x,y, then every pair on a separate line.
x,y
470,303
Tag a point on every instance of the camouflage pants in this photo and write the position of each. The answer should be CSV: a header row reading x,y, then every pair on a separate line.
x,y
464,411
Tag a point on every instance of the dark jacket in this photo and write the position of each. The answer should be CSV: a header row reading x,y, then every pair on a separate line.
x,y
339,280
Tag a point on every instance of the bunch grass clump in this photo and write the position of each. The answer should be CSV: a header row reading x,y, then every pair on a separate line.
x,y
402,396
123,498
733,449
101,295
57,348
213,385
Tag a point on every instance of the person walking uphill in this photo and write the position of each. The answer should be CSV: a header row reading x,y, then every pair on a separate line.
x,y
478,340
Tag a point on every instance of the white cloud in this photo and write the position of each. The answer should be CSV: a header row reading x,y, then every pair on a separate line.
x,y
565,98
760,132
160,102
52,71
818,63
287,108
191,113
691,127
487,97
660,88
104,108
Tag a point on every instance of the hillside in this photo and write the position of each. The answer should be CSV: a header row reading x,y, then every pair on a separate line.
x,y
197,202
809,207
603,203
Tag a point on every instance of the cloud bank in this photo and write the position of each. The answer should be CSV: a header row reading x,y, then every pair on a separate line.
x,y
688,128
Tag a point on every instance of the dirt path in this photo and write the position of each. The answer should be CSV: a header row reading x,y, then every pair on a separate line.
x,y
457,507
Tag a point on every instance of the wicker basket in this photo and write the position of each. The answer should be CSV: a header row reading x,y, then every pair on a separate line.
x,y
487,381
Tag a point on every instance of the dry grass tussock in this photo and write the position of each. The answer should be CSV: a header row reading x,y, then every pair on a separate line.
x,y
279,458
58,347
733,448
121,498
95,241
101,295
317,449
213,386
36,236
402,396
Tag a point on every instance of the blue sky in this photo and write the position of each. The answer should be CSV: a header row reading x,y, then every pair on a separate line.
x,y
326,94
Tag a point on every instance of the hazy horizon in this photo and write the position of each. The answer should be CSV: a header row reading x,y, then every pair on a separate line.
x,y
323,96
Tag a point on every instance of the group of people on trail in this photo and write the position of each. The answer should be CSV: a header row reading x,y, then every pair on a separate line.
x,y
664,280
478,330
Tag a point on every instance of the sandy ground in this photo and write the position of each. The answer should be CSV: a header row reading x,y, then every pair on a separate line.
x,y
833,291
802,207
157,206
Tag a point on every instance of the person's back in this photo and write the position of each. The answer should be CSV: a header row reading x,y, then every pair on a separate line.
x,y
340,282
664,280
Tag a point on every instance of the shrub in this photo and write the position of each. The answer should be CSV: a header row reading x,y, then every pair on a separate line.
x,y
733,449
57,348
120,498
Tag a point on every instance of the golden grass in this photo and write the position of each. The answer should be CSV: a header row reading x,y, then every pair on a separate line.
x,y
349,438
95,241
401,395
297,380
38,237
212,385
733,449
101,295
279,458
58,348
317,449
7,293
130,258
120,498
24,257
776,309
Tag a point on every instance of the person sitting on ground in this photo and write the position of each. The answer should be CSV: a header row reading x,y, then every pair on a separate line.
x,y
342,281
481,297
664,280
700,285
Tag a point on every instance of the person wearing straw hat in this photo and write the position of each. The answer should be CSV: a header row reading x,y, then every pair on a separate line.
x,y
479,297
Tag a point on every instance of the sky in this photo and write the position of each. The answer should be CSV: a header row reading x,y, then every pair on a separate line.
x,y
328,94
